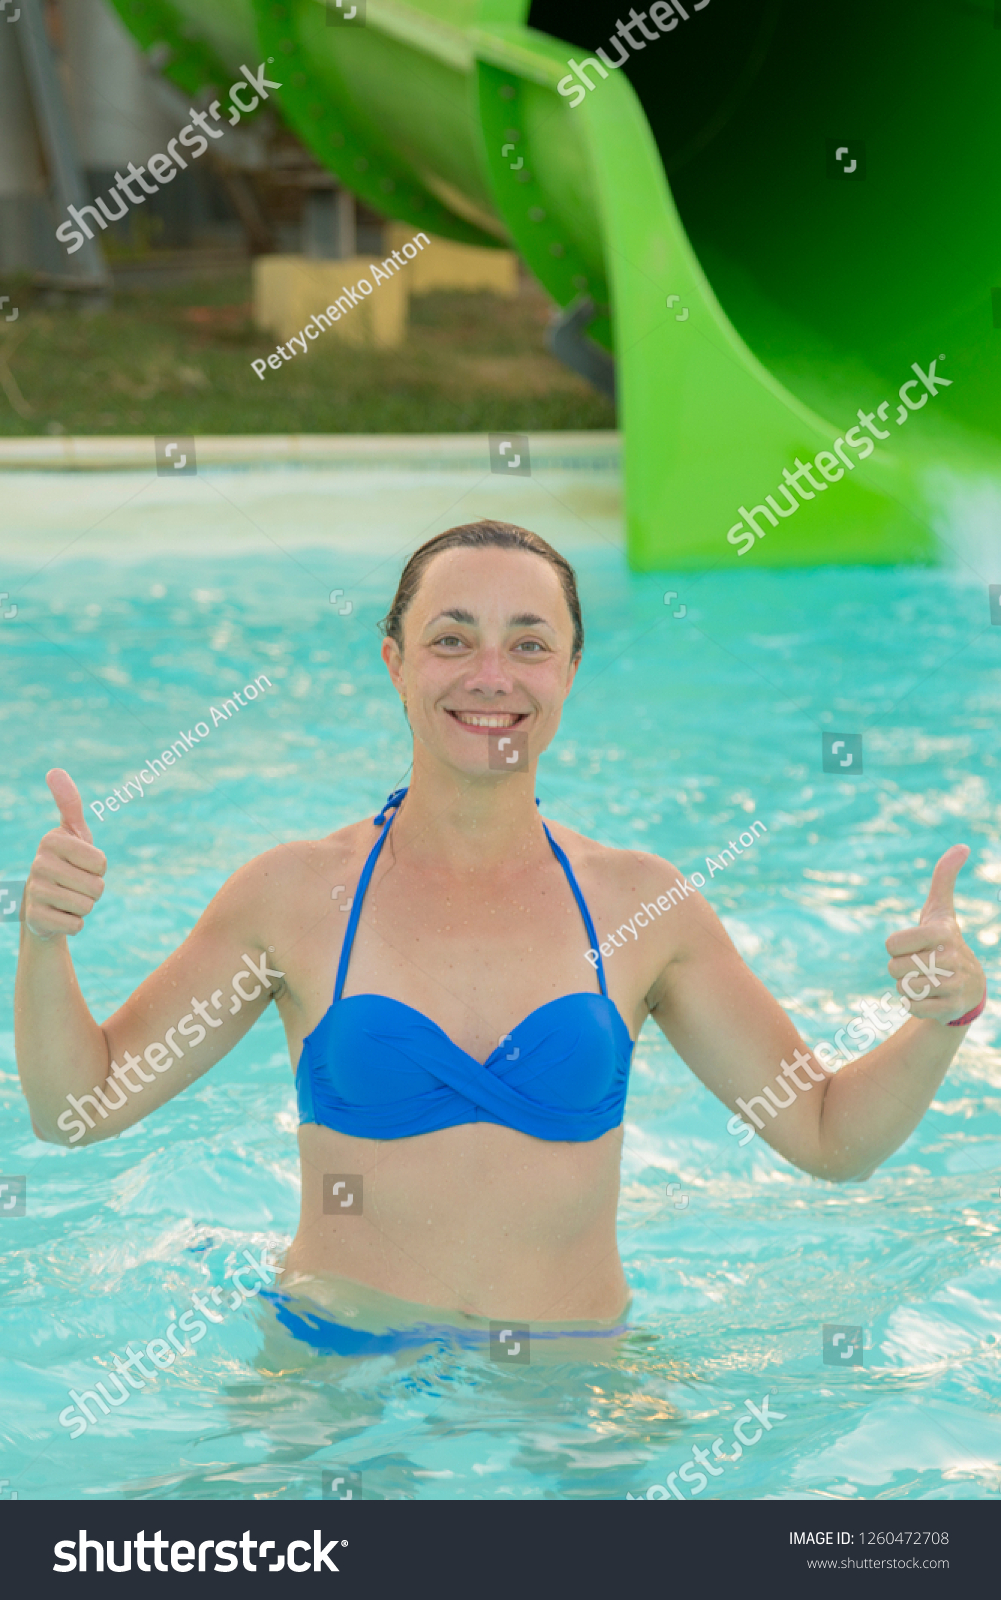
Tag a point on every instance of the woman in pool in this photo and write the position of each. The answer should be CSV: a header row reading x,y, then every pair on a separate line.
x,y
473,1062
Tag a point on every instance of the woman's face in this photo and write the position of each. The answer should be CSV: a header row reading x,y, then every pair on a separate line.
x,y
487,644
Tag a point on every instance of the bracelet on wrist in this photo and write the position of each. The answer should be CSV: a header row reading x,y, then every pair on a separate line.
x,y
971,1016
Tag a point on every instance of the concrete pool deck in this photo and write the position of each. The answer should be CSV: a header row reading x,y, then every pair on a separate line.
x,y
71,498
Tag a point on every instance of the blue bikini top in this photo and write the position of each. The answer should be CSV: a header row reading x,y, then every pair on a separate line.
x,y
378,1069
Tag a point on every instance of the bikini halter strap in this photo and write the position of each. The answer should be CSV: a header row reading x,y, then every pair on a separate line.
x,y
385,820
385,817
392,804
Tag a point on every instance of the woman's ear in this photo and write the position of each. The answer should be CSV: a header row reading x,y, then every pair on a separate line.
x,y
393,657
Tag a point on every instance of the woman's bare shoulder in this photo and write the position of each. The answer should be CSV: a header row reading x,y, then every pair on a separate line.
x,y
304,872
618,871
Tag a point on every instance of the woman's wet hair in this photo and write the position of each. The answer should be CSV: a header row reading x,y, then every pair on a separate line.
x,y
482,536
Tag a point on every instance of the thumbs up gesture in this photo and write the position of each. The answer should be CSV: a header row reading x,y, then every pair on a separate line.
x,y
67,874
937,974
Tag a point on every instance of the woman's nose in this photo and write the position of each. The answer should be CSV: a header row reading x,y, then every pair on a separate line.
x,y
490,671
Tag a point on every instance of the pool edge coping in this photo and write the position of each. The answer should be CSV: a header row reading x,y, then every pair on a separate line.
x,y
597,447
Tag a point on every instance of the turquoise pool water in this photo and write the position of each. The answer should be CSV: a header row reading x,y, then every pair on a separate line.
x,y
681,731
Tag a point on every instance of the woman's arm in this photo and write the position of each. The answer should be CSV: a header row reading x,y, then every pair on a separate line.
x,y
84,1081
739,1041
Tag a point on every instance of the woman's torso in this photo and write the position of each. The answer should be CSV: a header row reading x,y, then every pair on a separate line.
x,y
480,1217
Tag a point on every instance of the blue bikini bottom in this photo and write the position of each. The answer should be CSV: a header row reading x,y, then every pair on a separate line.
x,y
334,1338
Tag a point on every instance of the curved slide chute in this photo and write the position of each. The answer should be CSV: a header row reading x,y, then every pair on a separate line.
x,y
773,215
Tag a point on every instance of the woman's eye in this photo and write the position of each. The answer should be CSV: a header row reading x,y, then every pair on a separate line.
x,y
531,646
449,639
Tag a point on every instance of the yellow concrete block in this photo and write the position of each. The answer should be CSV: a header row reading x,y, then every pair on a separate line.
x,y
446,265
288,290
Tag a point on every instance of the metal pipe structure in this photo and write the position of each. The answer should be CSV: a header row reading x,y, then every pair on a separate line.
x,y
24,219
87,269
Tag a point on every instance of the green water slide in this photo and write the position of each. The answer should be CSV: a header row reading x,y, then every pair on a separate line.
x,y
773,216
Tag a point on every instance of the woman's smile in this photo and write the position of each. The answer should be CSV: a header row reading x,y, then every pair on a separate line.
x,y
487,721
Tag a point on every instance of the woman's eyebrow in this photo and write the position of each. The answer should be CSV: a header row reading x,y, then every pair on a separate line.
x,y
455,615
524,619
528,619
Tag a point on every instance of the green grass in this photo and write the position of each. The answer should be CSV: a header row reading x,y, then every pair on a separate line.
x,y
178,359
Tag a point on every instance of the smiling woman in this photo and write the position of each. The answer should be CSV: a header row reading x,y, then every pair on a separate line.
x,y
460,1096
